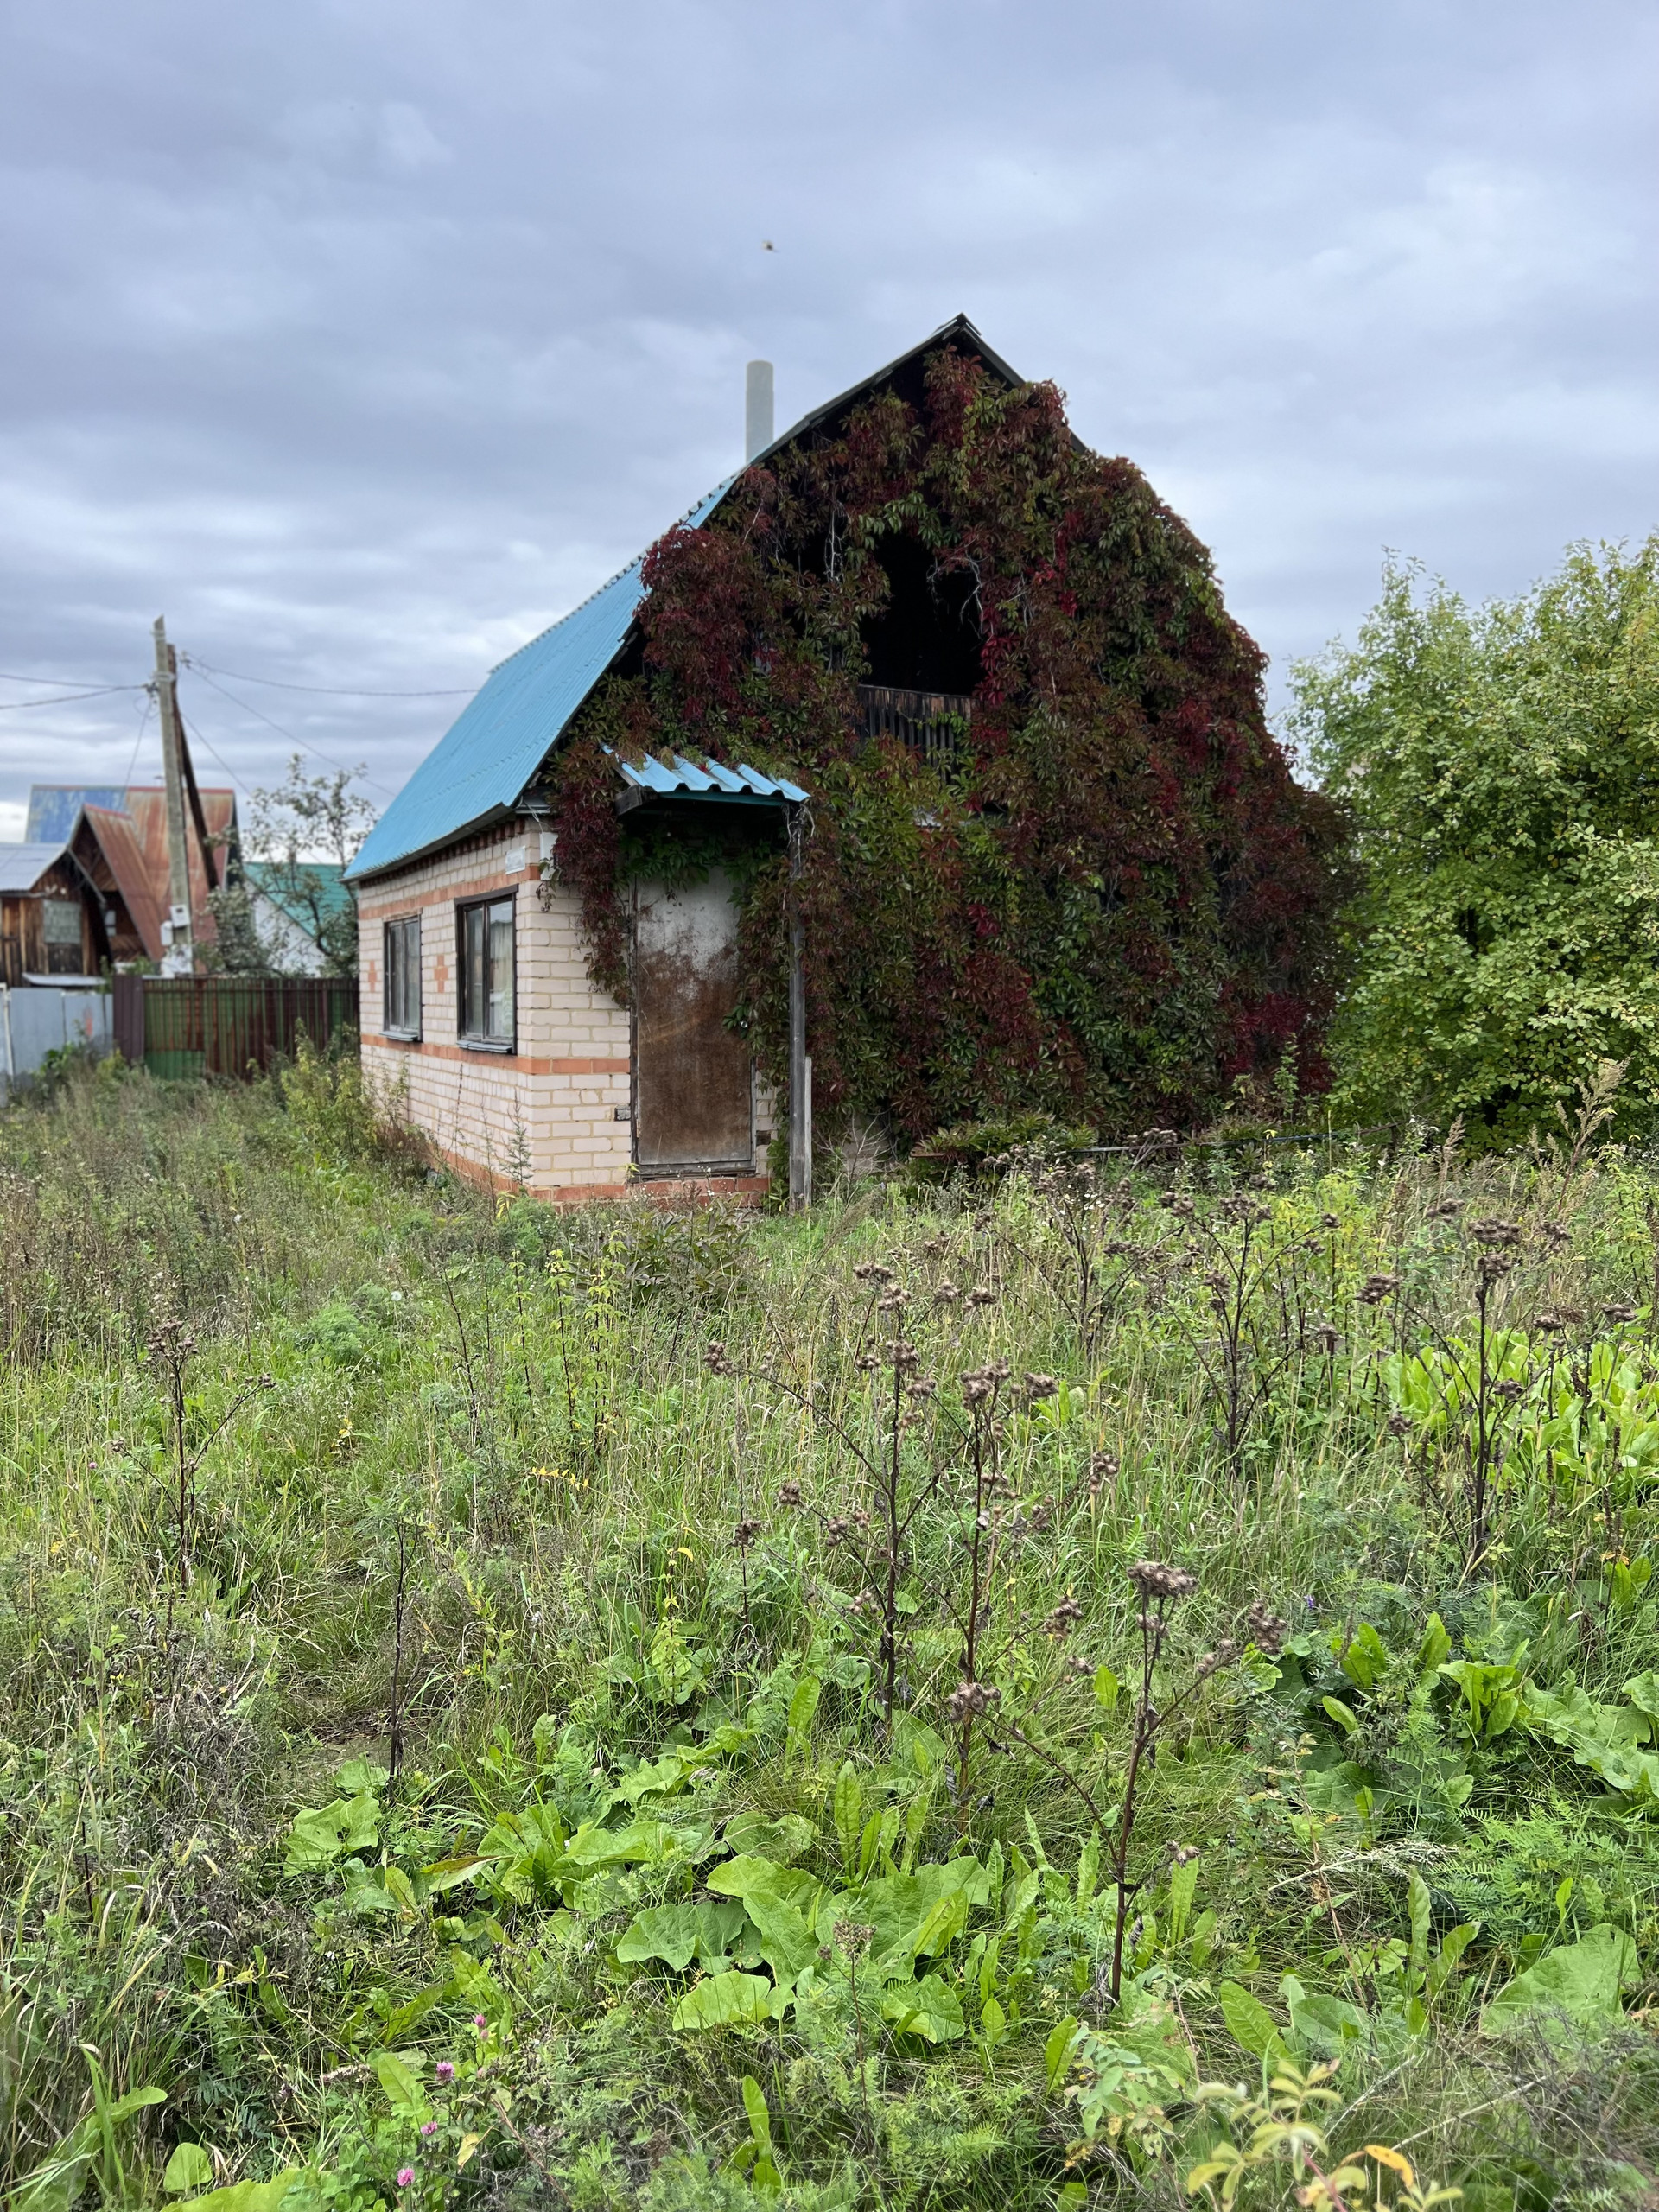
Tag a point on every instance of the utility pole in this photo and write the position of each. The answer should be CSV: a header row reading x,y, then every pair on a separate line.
x,y
179,958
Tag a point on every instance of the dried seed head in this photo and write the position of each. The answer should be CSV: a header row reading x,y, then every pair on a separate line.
x,y
1266,1631
861,1522
1064,1618
718,1361
978,1384
1399,1424
1183,1854
1620,1314
899,1353
1376,1288
1038,1387
1329,1221
1080,1668
968,1700
1550,1324
853,1936
1447,1209
1327,1336
867,1361
744,1534
947,1294
1155,1581
983,1296
1493,1266
835,1529
872,1271
1493,1234
790,1494
1509,1389
893,1301
923,1387
1103,1468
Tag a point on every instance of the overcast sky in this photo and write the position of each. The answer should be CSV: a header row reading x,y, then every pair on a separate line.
x,y
362,338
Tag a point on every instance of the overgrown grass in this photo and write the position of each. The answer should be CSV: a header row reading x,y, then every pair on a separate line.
x,y
660,1907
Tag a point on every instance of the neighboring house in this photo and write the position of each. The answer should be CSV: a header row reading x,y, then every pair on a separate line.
x,y
290,901
54,923
117,836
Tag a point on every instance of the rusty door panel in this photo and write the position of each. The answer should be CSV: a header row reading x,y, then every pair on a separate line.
x,y
693,1104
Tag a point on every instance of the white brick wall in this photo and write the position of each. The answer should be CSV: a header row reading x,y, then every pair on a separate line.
x,y
547,1109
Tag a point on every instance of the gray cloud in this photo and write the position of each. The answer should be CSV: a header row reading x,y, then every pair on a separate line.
x,y
363,339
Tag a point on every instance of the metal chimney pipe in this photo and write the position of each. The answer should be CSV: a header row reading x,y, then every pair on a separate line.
x,y
756,409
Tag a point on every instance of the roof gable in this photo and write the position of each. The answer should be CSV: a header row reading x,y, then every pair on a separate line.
x,y
478,773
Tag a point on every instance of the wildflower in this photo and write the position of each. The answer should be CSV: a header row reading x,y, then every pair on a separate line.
x,y
405,2177
790,1494
480,2022
745,1533
429,2127
446,2069
968,1700
1155,1581
1266,1631
1376,1288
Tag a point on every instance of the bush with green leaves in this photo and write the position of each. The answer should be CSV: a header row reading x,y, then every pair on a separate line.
x,y
1499,764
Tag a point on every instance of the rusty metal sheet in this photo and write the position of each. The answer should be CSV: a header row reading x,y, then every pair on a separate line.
x,y
693,1095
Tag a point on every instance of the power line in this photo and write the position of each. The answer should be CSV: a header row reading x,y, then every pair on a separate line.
x,y
304,746
64,699
143,724
63,683
324,690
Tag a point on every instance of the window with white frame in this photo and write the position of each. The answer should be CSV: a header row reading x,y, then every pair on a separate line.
x,y
485,950
402,1009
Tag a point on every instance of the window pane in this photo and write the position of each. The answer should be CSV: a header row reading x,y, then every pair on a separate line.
x,y
499,1023
473,971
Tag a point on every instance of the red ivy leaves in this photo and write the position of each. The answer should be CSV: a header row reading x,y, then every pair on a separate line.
x,y
1121,900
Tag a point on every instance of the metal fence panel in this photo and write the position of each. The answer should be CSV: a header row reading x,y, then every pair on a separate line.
x,y
237,1025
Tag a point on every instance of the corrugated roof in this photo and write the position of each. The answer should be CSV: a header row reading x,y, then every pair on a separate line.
x,y
54,807
118,840
711,780
479,771
22,867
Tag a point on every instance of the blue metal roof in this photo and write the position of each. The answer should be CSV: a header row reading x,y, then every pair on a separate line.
x,y
54,809
491,754
711,780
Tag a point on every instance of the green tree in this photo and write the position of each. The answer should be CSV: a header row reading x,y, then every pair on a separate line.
x,y
305,821
1501,770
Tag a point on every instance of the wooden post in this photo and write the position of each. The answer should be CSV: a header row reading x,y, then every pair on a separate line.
x,y
800,1067
179,959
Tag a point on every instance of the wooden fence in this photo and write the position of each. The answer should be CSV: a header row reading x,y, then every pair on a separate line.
x,y
226,1024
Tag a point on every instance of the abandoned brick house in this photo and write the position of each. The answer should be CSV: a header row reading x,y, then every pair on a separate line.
x,y
560,985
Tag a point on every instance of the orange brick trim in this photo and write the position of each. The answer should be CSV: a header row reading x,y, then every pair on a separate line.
x,y
479,886
521,1063
751,1188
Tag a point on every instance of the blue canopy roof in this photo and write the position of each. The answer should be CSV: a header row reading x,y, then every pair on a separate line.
x,y
481,768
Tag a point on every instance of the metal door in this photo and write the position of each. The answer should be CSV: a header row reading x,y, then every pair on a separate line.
x,y
693,1093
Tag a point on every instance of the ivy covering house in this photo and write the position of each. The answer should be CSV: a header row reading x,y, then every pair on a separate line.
x,y
927,740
